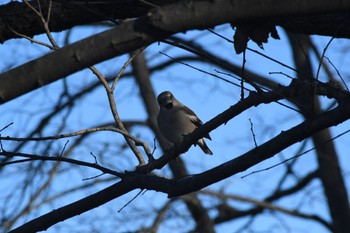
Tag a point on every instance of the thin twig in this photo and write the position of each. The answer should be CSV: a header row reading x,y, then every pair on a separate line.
x,y
126,64
49,12
93,177
64,148
203,71
282,73
101,78
6,126
138,194
233,76
94,156
44,22
257,87
252,130
338,73
113,107
59,158
254,51
325,49
31,7
77,133
242,75
261,88
322,56
296,156
30,39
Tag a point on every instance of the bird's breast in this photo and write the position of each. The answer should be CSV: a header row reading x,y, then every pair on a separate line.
x,y
174,125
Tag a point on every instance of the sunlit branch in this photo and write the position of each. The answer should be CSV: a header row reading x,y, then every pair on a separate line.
x,y
113,107
77,133
126,64
45,22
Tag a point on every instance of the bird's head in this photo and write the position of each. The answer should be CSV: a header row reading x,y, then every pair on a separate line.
x,y
166,100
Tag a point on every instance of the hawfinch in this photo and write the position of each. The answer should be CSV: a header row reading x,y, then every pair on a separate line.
x,y
176,120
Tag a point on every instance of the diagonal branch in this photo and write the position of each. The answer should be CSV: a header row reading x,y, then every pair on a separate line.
x,y
296,88
265,151
138,180
160,23
85,53
66,14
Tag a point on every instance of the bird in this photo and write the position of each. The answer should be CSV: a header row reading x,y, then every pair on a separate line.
x,y
176,120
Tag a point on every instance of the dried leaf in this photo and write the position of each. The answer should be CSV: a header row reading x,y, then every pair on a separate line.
x,y
258,32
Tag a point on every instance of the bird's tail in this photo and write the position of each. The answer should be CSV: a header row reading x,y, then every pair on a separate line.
x,y
201,143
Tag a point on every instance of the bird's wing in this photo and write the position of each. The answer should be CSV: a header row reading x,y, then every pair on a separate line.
x,y
194,118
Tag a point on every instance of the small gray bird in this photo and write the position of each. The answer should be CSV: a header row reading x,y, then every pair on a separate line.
x,y
176,120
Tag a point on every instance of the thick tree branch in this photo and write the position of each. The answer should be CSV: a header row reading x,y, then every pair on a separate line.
x,y
157,25
295,89
126,37
75,208
16,16
196,182
265,151
66,14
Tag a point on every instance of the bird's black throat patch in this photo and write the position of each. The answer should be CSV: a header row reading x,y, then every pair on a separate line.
x,y
169,106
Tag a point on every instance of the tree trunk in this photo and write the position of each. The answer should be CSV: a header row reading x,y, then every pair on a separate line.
x,y
329,168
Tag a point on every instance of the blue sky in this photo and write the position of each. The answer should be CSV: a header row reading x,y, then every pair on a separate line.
x,y
207,96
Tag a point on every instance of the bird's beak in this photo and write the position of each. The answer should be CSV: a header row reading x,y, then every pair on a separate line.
x,y
168,103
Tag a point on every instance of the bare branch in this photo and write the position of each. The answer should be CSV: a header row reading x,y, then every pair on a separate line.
x,y
133,55
254,99
113,107
196,182
58,158
6,127
252,130
134,34
74,134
